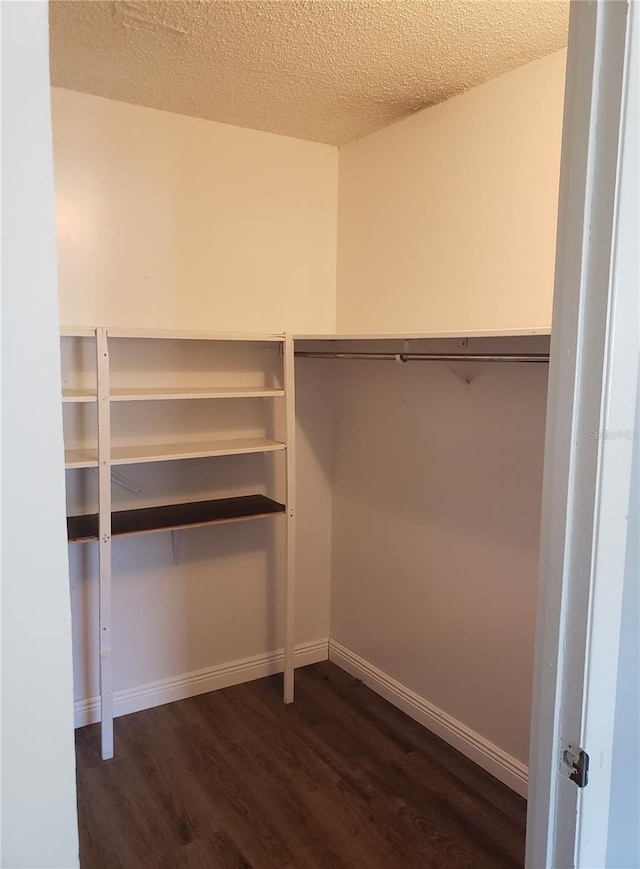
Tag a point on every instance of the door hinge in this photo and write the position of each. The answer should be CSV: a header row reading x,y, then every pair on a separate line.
x,y
575,762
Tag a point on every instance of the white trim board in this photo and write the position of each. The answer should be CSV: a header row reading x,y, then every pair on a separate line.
x,y
490,757
418,336
169,334
150,694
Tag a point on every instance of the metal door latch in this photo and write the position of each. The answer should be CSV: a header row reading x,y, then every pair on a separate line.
x,y
575,762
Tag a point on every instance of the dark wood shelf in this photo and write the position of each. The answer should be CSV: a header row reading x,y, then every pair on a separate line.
x,y
171,517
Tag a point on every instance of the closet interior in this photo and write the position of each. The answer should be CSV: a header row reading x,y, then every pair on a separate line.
x,y
304,386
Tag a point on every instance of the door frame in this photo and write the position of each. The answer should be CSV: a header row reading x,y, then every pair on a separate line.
x,y
589,445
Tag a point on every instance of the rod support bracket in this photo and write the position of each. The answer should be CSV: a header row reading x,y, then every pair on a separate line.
x,y
464,380
175,547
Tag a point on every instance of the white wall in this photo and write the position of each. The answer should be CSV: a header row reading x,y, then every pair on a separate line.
x,y
435,535
447,219
173,222
39,826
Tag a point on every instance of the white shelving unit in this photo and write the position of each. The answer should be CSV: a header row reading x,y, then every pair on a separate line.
x,y
95,386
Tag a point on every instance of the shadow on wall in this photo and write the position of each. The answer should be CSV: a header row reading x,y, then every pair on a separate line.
x,y
624,811
316,384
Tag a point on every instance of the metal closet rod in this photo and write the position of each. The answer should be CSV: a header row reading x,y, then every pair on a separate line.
x,y
426,357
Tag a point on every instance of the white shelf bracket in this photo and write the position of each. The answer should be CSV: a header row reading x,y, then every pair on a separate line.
x,y
119,480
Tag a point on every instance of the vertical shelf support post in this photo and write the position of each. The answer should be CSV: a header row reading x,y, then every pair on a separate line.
x,y
290,573
104,542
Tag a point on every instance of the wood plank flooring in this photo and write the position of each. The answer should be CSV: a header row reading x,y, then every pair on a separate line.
x,y
338,780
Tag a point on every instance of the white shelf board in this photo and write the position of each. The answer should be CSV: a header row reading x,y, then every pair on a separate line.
x,y
80,459
183,392
174,393
169,334
422,336
78,395
141,453
78,331
203,449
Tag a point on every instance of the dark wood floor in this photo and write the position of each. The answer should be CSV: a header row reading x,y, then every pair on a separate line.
x,y
338,780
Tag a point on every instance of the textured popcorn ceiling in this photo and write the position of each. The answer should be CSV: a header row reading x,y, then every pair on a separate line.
x,y
314,69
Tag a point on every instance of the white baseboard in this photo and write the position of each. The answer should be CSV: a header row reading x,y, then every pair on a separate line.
x,y
490,757
198,682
